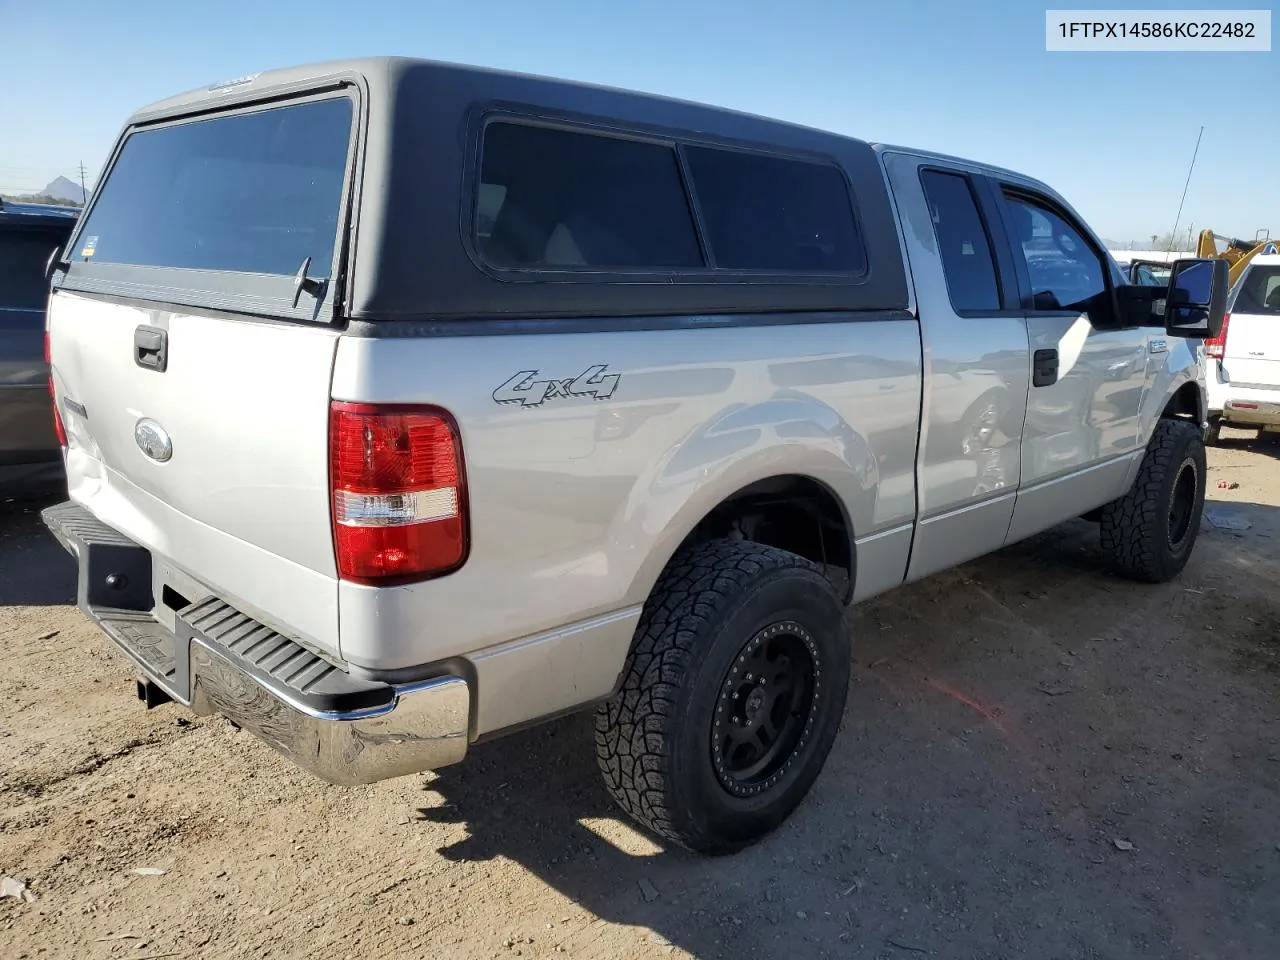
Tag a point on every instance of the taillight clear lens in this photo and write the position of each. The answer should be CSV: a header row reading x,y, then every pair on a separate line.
x,y
1216,346
399,505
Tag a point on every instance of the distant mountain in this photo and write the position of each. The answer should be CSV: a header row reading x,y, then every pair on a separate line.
x,y
63,189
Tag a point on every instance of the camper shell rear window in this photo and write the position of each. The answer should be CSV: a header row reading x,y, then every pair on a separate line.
x,y
255,194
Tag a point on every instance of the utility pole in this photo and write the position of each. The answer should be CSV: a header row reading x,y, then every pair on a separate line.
x,y
84,194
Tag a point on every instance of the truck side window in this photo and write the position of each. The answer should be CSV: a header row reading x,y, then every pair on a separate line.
x,y
967,261
1064,271
563,199
775,213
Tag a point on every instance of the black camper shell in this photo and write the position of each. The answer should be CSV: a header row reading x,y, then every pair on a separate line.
x,y
419,237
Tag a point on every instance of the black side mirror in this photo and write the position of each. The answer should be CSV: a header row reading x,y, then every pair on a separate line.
x,y
1196,299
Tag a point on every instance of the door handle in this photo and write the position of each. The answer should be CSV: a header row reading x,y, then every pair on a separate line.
x,y
151,348
1044,368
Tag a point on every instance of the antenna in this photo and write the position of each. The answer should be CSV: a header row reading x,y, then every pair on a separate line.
x,y
1178,219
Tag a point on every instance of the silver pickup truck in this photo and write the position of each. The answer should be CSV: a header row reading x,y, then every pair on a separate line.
x,y
407,404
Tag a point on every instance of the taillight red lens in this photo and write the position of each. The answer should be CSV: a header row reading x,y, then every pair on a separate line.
x,y
1216,346
58,428
399,492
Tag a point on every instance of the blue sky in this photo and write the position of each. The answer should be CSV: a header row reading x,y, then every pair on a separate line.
x,y
1114,132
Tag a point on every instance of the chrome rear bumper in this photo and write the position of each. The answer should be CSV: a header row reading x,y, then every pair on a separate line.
x,y
341,729
423,728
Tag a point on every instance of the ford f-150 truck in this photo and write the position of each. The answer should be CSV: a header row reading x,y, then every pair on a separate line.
x,y
407,404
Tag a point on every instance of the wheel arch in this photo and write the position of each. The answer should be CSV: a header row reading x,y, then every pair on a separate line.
x,y
1187,402
797,510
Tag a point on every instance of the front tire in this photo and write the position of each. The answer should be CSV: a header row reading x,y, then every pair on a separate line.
x,y
1214,433
731,696
1151,530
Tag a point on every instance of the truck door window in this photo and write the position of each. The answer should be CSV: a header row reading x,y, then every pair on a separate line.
x,y
967,261
1065,273
563,199
775,214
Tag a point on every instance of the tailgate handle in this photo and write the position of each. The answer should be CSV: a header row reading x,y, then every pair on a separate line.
x,y
151,348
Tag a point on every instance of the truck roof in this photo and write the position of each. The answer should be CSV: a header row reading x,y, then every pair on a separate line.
x,y
952,159
382,71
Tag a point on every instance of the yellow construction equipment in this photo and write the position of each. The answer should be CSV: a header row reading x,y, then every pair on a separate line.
x,y
1237,253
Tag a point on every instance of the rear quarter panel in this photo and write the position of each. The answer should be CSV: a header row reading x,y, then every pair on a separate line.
x,y
577,502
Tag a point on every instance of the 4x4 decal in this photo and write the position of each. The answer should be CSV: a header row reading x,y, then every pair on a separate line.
x,y
523,389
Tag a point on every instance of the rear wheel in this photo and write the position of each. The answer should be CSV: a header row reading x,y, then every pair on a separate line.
x,y
1151,530
731,696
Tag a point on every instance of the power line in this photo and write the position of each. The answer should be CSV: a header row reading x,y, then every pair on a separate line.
x,y
1178,219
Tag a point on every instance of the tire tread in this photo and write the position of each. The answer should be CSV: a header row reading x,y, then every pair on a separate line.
x,y
1130,526
632,728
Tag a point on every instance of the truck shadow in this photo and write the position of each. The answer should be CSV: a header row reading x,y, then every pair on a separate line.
x,y
1250,441
34,569
996,742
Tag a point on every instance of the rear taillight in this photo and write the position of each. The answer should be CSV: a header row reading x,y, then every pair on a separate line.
x,y
1216,346
399,492
58,428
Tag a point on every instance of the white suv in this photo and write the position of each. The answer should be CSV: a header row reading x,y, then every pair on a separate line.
x,y
1243,376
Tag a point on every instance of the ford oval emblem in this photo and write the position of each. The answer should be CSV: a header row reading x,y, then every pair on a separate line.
x,y
152,440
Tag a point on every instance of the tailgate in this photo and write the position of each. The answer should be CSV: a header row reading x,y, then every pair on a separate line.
x,y
1252,352
241,503
1251,355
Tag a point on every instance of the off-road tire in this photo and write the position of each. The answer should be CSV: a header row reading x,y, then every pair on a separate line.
x,y
654,738
1214,433
1148,539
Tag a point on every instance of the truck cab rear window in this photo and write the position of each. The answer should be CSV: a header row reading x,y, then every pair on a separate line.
x,y
251,193
968,265
558,199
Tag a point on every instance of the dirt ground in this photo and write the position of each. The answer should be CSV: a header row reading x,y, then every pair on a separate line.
x,y
1038,760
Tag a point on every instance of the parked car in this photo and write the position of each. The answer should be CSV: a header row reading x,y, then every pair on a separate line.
x,y
410,404
30,453
1243,377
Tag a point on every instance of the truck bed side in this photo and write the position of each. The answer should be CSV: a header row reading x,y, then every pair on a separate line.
x,y
577,501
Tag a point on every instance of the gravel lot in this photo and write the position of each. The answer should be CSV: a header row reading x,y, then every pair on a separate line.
x,y
1038,760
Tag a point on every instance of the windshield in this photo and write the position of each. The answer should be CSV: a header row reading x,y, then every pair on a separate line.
x,y
253,193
